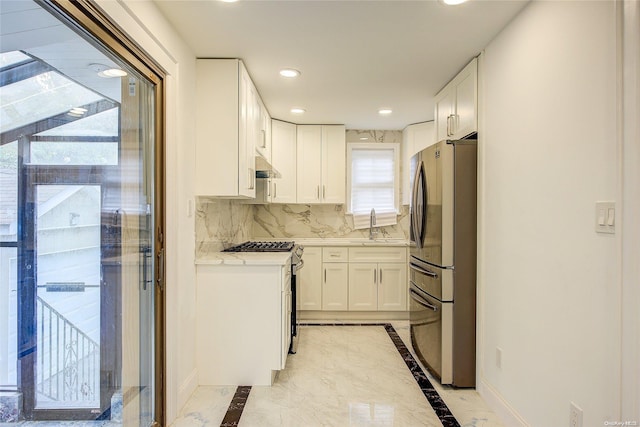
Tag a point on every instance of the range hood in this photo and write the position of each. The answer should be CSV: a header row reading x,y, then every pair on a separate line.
x,y
264,169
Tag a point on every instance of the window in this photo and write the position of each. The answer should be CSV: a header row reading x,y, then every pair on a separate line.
x,y
372,182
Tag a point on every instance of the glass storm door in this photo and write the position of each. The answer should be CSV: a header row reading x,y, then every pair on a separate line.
x,y
80,219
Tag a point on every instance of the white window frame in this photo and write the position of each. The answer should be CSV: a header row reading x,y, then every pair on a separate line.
x,y
396,168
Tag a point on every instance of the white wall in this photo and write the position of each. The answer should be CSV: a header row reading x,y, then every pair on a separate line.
x,y
143,22
550,287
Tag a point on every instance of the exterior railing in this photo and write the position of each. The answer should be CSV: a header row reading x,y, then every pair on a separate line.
x,y
68,360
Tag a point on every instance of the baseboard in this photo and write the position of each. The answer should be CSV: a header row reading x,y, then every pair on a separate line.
x,y
186,389
351,316
500,406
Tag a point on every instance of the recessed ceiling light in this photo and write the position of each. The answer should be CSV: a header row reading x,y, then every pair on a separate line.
x,y
228,1
364,138
298,110
112,72
289,72
107,71
453,2
385,111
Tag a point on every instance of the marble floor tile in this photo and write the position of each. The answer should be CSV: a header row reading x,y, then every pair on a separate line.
x,y
206,406
341,376
466,404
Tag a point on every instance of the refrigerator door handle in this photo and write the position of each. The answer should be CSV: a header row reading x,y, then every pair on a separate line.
x,y
423,270
417,298
418,213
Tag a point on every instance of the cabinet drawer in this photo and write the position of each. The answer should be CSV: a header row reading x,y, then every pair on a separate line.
x,y
335,254
365,254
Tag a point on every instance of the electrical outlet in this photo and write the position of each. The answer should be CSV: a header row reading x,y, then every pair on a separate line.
x,y
498,357
575,415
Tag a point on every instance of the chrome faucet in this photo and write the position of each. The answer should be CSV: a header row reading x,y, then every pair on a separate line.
x,y
372,222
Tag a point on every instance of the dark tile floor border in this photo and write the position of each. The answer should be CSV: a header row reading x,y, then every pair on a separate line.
x,y
440,408
234,412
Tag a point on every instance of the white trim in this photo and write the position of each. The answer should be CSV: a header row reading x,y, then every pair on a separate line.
x,y
187,388
629,207
499,405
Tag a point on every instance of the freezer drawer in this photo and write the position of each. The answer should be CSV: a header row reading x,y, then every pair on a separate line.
x,y
431,332
433,280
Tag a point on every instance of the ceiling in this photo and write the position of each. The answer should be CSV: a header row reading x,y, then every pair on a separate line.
x,y
26,26
356,57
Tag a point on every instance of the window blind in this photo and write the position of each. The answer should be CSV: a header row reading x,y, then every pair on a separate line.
x,y
373,186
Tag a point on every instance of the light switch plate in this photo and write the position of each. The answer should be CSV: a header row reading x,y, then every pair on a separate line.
x,y
605,217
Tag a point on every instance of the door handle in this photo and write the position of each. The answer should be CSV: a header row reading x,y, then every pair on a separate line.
x,y
417,298
160,279
423,271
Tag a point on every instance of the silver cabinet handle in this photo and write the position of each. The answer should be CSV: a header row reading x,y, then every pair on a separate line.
x,y
275,190
318,192
375,276
324,192
380,275
264,138
422,270
448,119
252,179
325,275
268,189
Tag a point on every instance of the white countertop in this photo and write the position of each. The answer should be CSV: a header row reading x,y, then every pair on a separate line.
x,y
244,258
350,242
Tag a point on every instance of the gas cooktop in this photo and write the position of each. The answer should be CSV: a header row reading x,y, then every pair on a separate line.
x,y
261,247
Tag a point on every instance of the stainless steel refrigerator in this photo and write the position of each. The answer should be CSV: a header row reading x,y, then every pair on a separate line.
x,y
442,264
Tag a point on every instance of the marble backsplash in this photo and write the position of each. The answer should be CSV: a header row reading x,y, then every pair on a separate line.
x,y
317,221
221,223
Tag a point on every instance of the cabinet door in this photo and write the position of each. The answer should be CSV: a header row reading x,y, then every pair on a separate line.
x,y
283,159
333,164
309,280
465,102
444,113
217,126
335,288
363,293
415,138
309,155
392,287
246,137
263,140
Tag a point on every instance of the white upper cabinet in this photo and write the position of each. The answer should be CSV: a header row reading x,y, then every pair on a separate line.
x,y
283,159
456,105
264,138
227,127
415,138
321,159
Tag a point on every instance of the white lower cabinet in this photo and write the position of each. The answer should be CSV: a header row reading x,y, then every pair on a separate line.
x,y
363,287
353,279
244,320
335,280
309,280
377,286
392,287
